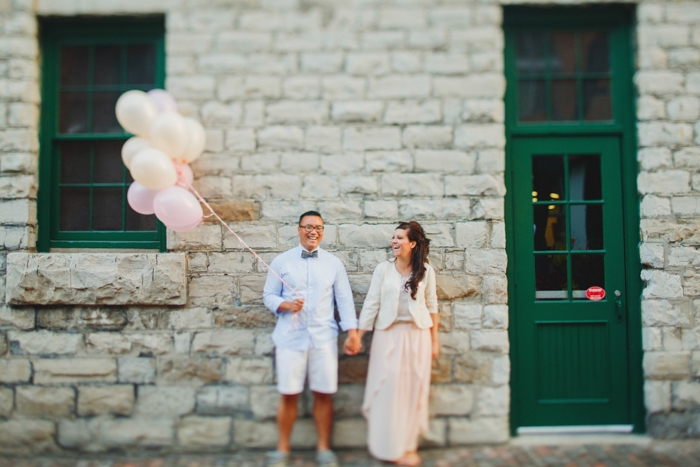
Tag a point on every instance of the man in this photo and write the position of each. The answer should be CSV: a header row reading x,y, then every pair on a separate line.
x,y
306,333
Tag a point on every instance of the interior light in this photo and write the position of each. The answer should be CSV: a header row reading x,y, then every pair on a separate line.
x,y
554,195
551,206
534,200
534,193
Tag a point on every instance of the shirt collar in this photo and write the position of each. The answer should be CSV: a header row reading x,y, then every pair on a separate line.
x,y
301,248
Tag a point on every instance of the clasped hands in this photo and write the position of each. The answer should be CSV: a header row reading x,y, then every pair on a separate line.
x,y
353,343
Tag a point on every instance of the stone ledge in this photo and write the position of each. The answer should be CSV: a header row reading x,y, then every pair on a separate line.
x,y
96,279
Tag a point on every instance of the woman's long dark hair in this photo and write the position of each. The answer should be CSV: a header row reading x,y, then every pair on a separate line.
x,y
419,254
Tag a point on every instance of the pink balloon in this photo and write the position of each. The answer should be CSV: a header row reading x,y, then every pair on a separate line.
x,y
184,174
164,101
141,198
177,207
186,228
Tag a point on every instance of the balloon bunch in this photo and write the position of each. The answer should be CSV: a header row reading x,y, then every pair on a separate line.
x,y
158,157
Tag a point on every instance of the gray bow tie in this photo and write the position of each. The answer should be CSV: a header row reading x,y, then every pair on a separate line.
x,y
309,254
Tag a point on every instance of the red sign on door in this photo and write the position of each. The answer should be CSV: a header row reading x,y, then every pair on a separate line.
x,y
595,293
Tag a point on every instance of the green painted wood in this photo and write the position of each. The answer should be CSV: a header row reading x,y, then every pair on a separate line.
x,y
55,33
618,21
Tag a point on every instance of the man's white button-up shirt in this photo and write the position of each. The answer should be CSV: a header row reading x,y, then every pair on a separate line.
x,y
320,281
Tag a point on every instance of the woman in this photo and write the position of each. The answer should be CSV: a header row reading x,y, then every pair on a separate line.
x,y
402,307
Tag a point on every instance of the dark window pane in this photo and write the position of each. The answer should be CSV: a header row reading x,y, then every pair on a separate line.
x,y
564,100
108,64
587,227
75,209
129,178
109,167
595,51
104,117
141,64
563,52
74,65
138,222
550,277
550,227
548,178
597,104
107,208
530,53
587,270
75,162
584,178
532,101
73,112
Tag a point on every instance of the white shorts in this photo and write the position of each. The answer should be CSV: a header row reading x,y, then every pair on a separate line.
x,y
320,363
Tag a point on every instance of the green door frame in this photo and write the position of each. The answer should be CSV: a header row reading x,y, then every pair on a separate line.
x,y
620,19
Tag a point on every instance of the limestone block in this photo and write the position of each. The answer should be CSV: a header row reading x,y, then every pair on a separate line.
x,y
411,208
224,342
500,370
427,38
348,400
406,62
254,434
478,431
204,431
321,62
264,401
683,256
454,261
436,434
483,110
254,115
471,367
189,371
447,63
493,401
478,261
370,259
350,433
652,254
495,317
280,210
164,401
657,396
650,108
366,235
451,400
17,238
664,35
323,139
249,371
480,135
666,365
281,137
297,112
411,111
96,278
471,234
137,370
350,259
22,318
192,87
388,161
664,182
219,400
204,237
664,133
357,111
440,234
128,432
343,87
251,288
254,63
27,436
482,85
240,140
455,343
382,40
45,402
220,114
686,395
684,108
45,342
490,341
381,209
154,343
353,370
685,205
653,229
458,286
278,186
75,370
360,139
6,402
346,163
102,400
399,87
653,206
359,184
661,285
412,185
22,186
336,210
687,157
227,262
18,211
108,343
212,290
422,136
17,162
652,339
243,41
695,364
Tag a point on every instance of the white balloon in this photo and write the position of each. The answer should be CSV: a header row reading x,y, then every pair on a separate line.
x,y
163,100
135,112
153,169
169,134
131,147
196,142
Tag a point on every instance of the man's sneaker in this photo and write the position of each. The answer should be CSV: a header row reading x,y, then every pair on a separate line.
x,y
277,459
326,458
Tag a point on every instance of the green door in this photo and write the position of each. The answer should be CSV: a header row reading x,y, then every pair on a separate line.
x,y
569,243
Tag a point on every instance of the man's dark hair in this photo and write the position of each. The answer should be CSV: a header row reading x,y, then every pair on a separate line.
x,y
310,213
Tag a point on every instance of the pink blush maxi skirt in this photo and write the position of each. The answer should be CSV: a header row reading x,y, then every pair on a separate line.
x,y
397,390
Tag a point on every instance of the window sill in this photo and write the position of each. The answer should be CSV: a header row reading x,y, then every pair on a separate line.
x,y
96,278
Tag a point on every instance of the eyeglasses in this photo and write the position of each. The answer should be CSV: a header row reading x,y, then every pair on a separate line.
x,y
311,228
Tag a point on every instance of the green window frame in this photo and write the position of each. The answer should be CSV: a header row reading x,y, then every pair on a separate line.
x,y
92,33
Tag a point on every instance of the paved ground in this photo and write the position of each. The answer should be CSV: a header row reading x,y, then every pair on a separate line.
x,y
657,453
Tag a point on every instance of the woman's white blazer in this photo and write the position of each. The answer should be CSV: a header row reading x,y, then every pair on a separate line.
x,y
382,303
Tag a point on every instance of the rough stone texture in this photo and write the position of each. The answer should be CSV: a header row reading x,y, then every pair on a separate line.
x,y
96,279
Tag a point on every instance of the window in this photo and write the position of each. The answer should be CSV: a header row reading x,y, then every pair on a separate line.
x,y
87,65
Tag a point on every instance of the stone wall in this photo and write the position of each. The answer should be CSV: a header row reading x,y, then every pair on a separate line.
x,y
668,108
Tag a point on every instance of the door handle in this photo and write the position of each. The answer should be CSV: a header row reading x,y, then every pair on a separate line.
x,y
618,305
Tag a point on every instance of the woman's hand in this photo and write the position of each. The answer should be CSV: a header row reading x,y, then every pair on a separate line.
x,y
436,349
353,344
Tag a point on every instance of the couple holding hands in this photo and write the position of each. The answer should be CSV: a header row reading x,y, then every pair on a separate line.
x,y
401,307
